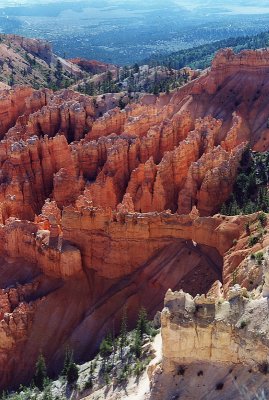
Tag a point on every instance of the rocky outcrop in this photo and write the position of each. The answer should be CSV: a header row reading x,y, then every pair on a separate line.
x,y
13,105
203,333
208,319
228,63
209,180
27,175
67,112
26,61
36,47
23,240
92,66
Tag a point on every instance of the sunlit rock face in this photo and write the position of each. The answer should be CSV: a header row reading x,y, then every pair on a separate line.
x,y
103,208
212,344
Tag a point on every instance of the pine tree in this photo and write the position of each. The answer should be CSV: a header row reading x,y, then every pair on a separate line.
x,y
106,347
72,373
234,208
121,104
123,333
109,76
40,373
89,383
156,89
67,360
59,71
136,68
70,369
142,322
47,394
138,343
249,208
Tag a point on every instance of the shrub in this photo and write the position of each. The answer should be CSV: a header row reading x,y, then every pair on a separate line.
x,y
88,384
259,257
219,386
247,227
262,218
122,376
154,332
107,378
47,395
234,277
243,324
181,370
106,347
138,369
264,367
252,240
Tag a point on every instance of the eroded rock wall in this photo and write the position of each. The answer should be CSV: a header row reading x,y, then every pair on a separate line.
x,y
104,208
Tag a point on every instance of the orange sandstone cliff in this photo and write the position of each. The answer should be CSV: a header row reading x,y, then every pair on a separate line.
x,y
102,207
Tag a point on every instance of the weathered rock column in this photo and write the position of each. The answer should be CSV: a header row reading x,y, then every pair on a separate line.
x,y
54,232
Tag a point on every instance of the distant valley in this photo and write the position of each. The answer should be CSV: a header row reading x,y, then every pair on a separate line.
x,y
122,32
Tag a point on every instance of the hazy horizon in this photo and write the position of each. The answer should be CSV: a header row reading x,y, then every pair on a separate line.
x,y
239,6
123,32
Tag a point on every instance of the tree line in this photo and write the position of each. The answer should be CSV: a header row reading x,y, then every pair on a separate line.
x,y
200,57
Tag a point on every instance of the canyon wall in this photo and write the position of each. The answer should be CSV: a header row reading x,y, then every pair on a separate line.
x,y
103,208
